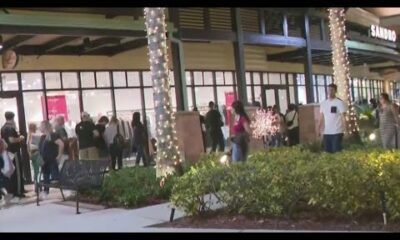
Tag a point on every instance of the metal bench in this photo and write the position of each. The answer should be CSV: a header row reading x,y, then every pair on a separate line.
x,y
77,175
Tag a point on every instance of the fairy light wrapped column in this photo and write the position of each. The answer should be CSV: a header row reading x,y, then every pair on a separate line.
x,y
341,73
168,156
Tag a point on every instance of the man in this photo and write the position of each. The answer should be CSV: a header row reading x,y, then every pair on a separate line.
x,y
86,132
332,121
14,141
292,123
213,126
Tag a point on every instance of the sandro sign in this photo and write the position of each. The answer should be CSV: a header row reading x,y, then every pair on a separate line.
x,y
383,33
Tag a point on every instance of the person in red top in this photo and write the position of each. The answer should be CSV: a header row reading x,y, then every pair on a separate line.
x,y
241,132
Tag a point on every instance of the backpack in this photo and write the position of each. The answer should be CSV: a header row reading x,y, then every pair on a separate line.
x,y
119,140
48,149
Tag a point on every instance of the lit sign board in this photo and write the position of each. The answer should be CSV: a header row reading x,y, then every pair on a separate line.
x,y
383,33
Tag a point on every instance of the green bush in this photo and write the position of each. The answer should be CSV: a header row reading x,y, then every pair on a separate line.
x,y
133,187
284,181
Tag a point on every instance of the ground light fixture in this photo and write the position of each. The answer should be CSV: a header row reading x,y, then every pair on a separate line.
x,y
372,137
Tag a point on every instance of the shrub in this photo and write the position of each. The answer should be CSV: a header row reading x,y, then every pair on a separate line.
x,y
284,181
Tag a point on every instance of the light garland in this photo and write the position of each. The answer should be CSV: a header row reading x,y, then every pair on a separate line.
x,y
341,72
264,124
168,155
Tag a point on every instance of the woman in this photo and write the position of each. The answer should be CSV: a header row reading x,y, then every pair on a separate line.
x,y
292,123
111,135
388,122
51,149
139,138
241,132
279,124
33,151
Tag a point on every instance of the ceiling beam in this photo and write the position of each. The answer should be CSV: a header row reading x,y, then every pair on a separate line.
x,y
57,43
100,43
103,11
15,41
137,43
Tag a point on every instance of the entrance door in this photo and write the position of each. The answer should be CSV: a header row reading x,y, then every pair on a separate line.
x,y
12,101
275,95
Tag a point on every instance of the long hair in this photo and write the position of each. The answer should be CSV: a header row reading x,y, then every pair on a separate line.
x,y
385,96
136,119
239,109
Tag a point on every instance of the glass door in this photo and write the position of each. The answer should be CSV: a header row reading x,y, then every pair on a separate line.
x,y
275,95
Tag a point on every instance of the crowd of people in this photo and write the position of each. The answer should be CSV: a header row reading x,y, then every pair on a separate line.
x,y
49,147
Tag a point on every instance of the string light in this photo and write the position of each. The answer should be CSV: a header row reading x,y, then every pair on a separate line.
x,y
341,72
264,124
168,154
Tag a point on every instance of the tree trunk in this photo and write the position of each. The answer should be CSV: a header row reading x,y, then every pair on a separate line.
x,y
168,156
341,73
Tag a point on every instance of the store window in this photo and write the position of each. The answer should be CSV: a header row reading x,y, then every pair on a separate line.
x,y
70,80
134,79
127,101
146,79
53,80
119,79
91,100
32,81
64,103
9,81
103,79
88,80
35,110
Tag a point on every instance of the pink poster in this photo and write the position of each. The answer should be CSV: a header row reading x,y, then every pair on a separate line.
x,y
229,99
57,106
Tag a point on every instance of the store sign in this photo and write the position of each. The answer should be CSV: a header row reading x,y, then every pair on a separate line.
x,y
383,33
57,106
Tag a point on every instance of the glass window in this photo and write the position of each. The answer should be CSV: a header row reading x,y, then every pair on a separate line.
x,y
32,81
53,80
221,91
150,114
125,108
265,78
35,110
300,79
189,97
198,78
64,103
87,80
328,80
321,93
146,79
248,79
249,97
188,78
91,100
315,94
103,79
291,94
219,78
290,79
134,80
171,78
283,79
203,96
70,79
228,78
257,94
208,78
301,93
274,78
256,78
321,80
9,81
119,79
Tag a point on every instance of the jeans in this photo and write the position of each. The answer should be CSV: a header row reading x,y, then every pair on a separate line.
x,y
116,155
276,140
36,166
50,171
333,142
238,155
140,155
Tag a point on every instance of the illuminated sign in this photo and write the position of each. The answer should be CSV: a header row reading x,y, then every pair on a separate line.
x,y
383,33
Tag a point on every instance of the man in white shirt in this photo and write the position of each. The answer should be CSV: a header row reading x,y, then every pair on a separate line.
x,y
332,121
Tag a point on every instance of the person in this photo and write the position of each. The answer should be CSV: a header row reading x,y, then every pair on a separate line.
x,y
59,128
203,128
241,132
100,142
86,132
6,170
115,150
213,127
139,138
51,149
332,121
33,151
14,141
374,105
279,123
292,123
389,120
